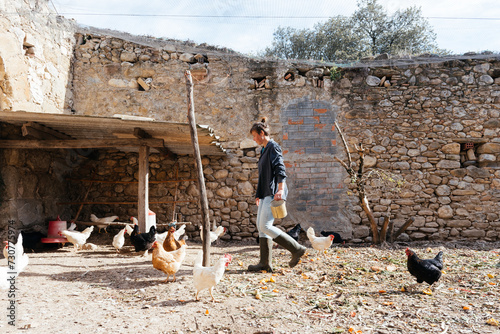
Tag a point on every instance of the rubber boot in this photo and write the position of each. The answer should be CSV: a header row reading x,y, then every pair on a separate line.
x,y
287,242
265,262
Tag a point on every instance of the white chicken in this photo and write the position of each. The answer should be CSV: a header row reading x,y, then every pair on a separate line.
x,y
160,237
78,239
18,257
213,235
208,277
168,262
119,239
102,223
22,259
319,243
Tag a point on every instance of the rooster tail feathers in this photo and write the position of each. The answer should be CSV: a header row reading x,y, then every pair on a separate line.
x,y
152,230
438,260
310,233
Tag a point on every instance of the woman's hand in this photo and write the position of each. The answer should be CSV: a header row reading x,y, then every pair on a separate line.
x,y
257,201
279,195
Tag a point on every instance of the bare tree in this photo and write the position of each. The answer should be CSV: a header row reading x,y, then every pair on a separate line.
x,y
359,179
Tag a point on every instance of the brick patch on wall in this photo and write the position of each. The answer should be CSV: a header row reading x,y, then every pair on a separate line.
x,y
314,178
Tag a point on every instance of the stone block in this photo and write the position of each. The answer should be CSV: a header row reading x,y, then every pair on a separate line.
x,y
221,174
488,148
453,148
225,192
461,172
448,164
428,230
459,223
443,190
473,233
434,179
361,232
402,165
417,235
128,57
245,188
487,158
445,212
463,192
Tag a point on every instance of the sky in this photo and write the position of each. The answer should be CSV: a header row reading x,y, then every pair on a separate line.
x,y
247,26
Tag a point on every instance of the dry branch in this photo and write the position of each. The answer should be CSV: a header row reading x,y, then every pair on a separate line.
x,y
402,228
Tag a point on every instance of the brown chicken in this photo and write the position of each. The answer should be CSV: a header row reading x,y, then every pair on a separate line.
x,y
168,262
170,244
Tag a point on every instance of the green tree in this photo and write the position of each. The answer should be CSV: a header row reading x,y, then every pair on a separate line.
x,y
369,31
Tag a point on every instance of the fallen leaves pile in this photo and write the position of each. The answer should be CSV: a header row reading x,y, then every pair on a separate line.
x,y
350,289
369,290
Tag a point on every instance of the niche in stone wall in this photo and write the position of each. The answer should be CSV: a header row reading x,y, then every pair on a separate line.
x,y
29,46
468,155
260,83
289,76
144,84
479,153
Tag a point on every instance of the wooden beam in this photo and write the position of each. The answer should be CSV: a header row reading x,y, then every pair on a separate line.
x,y
130,182
79,143
41,131
143,195
205,216
125,203
142,134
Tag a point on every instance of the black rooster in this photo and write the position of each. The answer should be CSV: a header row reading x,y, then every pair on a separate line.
x,y
143,241
337,240
428,271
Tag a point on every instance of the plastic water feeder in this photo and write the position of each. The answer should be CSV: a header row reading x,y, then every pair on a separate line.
x,y
55,226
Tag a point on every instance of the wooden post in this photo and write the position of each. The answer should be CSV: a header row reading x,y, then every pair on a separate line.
x,y
205,216
143,195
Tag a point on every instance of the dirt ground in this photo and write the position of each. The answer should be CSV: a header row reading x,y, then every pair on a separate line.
x,y
351,289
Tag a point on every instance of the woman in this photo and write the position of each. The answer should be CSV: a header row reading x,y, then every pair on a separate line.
x,y
271,185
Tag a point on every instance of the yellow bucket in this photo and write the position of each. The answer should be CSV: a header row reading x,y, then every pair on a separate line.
x,y
278,208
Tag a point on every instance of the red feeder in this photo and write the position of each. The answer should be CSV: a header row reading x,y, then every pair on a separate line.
x,y
55,226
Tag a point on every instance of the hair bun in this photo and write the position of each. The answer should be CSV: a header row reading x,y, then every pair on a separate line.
x,y
264,120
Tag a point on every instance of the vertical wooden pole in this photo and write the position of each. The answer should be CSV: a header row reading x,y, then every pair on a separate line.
x,y
205,216
143,196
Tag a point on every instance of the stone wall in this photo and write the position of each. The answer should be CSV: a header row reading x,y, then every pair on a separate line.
x,y
436,124
32,183
229,189
36,49
119,76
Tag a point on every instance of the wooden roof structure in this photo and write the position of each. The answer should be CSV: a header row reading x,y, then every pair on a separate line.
x,y
122,132
48,131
